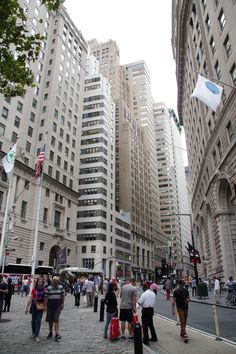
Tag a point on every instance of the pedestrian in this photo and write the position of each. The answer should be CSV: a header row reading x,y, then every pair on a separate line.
x,y
105,286
3,292
148,301
111,303
54,304
128,307
25,286
194,287
217,290
168,288
154,287
77,291
8,296
89,289
180,300
36,304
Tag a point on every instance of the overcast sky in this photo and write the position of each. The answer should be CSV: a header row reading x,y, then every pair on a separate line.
x,y
142,30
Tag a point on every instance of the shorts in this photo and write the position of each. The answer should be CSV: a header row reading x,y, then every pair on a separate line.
x,y
126,315
53,315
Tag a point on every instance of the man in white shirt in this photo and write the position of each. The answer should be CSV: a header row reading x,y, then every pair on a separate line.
x,y
217,290
147,301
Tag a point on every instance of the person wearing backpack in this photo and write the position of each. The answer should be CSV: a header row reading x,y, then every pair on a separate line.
x,y
36,304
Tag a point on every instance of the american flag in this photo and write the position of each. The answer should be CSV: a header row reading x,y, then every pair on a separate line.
x,y
41,158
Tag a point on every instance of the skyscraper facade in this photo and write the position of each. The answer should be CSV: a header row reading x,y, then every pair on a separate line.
x,y
203,40
48,113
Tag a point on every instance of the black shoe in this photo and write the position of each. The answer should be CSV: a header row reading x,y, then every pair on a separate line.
x,y
145,342
49,335
153,340
57,337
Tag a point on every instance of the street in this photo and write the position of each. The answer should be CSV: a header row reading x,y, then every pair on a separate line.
x,y
201,317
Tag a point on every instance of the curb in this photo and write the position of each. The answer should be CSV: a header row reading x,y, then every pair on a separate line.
x,y
205,302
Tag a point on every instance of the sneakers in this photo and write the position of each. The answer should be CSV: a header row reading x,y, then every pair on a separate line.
x,y
57,337
131,337
49,335
37,339
122,337
153,339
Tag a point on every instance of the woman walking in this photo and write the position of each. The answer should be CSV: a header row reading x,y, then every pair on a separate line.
x,y
36,303
111,302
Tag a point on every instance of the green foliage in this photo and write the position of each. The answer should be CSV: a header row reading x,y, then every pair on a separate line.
x,y
17,47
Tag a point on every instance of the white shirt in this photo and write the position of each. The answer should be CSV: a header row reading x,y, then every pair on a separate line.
x,y
217,284
147,299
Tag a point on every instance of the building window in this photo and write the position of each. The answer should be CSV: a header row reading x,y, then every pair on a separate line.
x,y
19,106
208,23
23,209
104,250
41,246
17,122
18,260
14,137
93,249
213,46
30,131
221,20
5,112
230,132
227,46
45,215
50,170
83,249
233,74
27,146
57,219
88,263
217,70
68,224
2,129
47,192
34,103
219,147
32,117
57,175
51,155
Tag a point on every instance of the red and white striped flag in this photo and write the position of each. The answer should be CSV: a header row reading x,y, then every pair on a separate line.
x,y
41,158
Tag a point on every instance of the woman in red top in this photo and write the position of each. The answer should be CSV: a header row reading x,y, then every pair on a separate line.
x,y
36,301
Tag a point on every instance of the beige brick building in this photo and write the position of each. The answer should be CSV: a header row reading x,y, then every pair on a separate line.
x,y
204,41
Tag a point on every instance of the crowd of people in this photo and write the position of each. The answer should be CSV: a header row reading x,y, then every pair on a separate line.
x,y
48,295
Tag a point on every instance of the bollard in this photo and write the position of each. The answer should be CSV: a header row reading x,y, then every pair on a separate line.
x,y
216,323
102,308
95,308
138,342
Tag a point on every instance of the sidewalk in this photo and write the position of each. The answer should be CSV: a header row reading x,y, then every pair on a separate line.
x,y
82,333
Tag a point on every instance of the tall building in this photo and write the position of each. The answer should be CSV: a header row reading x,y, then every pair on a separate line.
x,y
133,187
172,186
52,106
204,41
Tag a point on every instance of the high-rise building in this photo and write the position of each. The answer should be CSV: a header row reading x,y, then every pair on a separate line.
x,y
50,111
172,185
204,41
133,184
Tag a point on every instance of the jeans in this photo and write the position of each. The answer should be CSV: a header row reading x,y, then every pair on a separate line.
x,y
36,320
109,318
89,298
77,299
183,315
147,322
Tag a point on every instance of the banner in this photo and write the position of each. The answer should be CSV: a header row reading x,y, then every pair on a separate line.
x,y
61,256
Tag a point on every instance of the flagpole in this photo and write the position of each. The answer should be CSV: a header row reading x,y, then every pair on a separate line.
x,y
34,256
5,224
212,78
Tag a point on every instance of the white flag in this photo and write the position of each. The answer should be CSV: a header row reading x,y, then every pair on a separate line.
x,y
208,92
9,160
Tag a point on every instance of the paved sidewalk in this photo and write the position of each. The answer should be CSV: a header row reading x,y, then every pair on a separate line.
x,y
82,333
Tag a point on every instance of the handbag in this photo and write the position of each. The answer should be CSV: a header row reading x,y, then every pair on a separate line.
x,y
39,305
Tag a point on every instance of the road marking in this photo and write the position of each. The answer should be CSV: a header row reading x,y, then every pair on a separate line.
x,y
228,341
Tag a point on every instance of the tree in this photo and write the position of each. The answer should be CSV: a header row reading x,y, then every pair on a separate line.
x,y
17,47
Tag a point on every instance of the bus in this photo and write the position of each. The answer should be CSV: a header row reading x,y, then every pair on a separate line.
x,y
77,272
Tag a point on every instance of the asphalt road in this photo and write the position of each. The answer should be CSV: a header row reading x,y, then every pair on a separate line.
x,y
201,317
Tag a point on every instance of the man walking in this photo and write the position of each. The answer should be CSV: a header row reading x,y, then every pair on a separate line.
x,y
181,300
194,287
147,301
217,290
128,307
54,303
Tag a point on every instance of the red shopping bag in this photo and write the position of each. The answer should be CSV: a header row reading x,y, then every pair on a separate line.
x,y
115,328
135,318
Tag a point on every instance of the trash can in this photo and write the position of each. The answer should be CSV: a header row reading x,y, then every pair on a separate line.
x,y
202,290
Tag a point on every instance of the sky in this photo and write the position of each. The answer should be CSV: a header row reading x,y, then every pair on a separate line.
x,y
142,30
